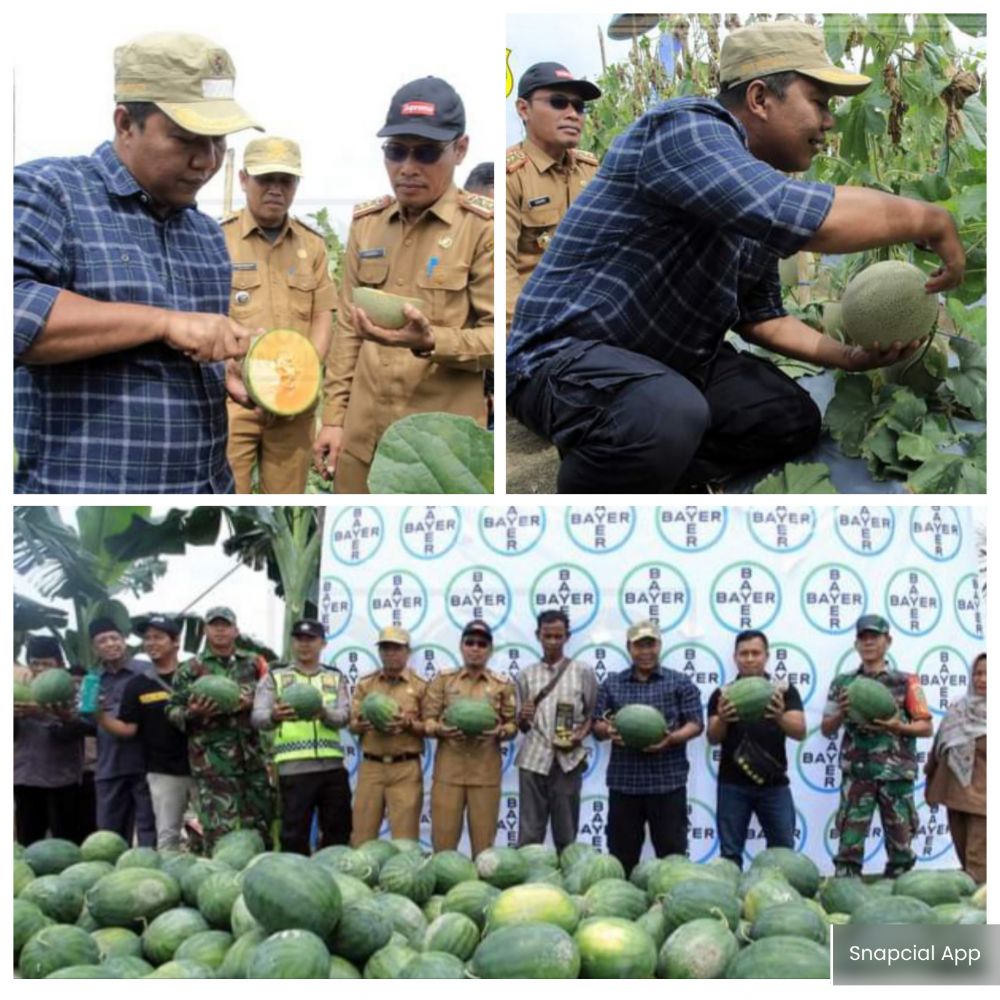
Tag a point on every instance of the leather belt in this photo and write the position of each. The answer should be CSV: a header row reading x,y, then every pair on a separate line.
x,y
389,758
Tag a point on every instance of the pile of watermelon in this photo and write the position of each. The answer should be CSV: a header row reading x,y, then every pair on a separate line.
x,y
390,910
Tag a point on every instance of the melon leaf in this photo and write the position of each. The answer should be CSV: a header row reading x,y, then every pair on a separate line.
x,y
850,412
968,382
798,477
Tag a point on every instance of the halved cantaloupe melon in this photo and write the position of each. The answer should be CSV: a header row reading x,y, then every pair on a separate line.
x,y
283,373
383,308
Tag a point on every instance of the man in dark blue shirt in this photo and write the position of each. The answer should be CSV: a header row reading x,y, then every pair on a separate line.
x,y
121,288
648,786
616,349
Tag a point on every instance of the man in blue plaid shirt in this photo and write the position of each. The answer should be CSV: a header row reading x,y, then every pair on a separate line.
x,y
616,349
121,288
648,786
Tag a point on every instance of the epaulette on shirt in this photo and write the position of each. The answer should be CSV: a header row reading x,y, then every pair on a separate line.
x,y
479,204
516,158
229,218
306,225
584,157
374,205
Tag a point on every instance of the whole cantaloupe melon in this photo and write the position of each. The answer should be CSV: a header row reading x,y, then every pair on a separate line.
x,y
887,302
383,308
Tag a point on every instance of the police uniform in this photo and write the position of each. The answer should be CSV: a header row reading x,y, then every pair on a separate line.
x,y
539,191
467,769
390,777
445,259
276,285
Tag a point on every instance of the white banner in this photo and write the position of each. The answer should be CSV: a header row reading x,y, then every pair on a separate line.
x,y
803,575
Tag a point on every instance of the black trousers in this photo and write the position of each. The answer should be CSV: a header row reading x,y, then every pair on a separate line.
x,y
41,812
626,423
326,792
628,815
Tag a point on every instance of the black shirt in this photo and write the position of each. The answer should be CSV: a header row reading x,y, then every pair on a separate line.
x,y
144,701
766,733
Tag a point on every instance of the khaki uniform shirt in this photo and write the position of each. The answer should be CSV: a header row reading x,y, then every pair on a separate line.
x,y
368,387
469,761
279,285
539,191
408,691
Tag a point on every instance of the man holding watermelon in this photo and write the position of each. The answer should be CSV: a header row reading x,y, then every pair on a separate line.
x,y
878,753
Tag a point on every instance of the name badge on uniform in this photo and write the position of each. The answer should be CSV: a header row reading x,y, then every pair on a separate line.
x,y
535,202
371,254
245,267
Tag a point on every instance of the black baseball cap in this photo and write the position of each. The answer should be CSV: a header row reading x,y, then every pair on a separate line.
x,y
162,622
308,628
872,623
429,107
553,74
478,627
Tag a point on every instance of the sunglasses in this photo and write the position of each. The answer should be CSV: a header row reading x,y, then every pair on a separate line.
x,y
480,643
559,102
425,153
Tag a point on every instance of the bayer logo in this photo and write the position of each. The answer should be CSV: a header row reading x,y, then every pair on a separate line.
x,y
913,601
430,532
703,834
932,840
944,676
600,530
691,529
781,529
970,606
866,531
833,598
745,595
356,535
511,531
873,842
936,531
335,605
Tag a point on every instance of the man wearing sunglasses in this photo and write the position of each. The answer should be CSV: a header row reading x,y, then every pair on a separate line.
x,y
545,171
467,769
434,242
617,350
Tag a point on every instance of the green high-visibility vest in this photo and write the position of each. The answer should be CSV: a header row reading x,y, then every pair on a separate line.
x,y
307,739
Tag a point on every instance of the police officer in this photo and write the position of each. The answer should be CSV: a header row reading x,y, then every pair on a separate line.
x,y
467,769
545,171
390,779
431,241
280,281
879,760
308,753
224,751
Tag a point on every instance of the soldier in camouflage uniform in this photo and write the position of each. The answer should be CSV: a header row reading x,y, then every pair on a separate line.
x,y
225,752
879,760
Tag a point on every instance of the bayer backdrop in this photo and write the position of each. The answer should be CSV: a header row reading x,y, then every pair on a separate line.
x,y
802,574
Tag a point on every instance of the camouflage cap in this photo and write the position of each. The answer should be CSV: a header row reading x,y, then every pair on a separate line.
x,y
220,611
768,47
189,78
391,633
872,623
643,630
272,155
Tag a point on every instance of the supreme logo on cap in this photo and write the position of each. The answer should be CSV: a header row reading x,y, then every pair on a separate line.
x,y
418,108
565,73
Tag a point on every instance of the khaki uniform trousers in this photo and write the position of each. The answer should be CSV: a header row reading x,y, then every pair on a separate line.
x,y
394,788
281,447
449,803
351,474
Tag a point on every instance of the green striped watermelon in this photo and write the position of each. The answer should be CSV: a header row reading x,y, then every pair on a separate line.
x,y
238,847
217,895
58,900
51,856
501,866
408,874
450,868
470,715
286,891
893,910
28,919
234,965
195,874
406,917
363,928
221,691
842,895
103,845
181,969
433,965
654,923
640,726
699,949
526,951
206,947
695,898
139,857
56,947
614,948
127,967
798,868
780,958
132,897
930,887
471,898
388,962
750,697
789,920
340,968
85,873
590,869
304,698
535,902
613,897
290,954
167,932
53,687
539,854
116,942
23,874
380,710
457,935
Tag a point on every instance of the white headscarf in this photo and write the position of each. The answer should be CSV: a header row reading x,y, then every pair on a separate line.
x,y
956,739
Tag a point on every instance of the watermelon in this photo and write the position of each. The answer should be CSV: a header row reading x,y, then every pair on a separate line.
x,y
380,710
536,902
929,886
139,857
780,958
290,954
591,869
197,873
59,901
238,847
103,845
50,857
640,726
221,691
750,697
283,373
768,892
286,891
22,693
241,920
882,887
726,869
406,917
28,919
963,881
117,942
654,923
340,968
893,910
132,897
181,969
85,873
83,972
176,864
167,932
53,687
352,890
526,951
433,965
408,874
572,853
450,868
471,898
217,895
612,897
363,928
699,949
789,920
304,698
614,948
543,873
670,872
432,908
843,895
341,858
407,845
127,967
86,921
56,947
501,866
798,868
978,898
958,913
206,947
539,854
377,853
700,898
23,874
456,934
869,700
471,716
388,962
234,965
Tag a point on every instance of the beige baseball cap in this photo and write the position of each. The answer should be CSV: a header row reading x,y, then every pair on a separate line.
x,y
643,630
272,155
189,78
779,47
393,634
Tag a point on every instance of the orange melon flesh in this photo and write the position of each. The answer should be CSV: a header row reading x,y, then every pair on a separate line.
x,y
283,373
